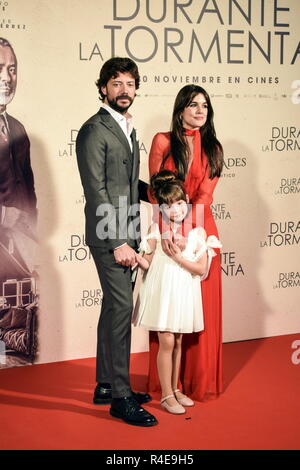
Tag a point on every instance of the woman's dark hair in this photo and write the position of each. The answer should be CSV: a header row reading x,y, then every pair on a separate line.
x,y
167,188
179,147
111,69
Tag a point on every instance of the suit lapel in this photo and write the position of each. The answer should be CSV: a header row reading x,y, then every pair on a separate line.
x,y
12,139
114,127
135,155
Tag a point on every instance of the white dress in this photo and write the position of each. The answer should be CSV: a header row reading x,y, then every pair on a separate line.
x,y
170,297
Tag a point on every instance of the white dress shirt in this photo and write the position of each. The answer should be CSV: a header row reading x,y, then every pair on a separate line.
x,y
125,123
5,119
126,126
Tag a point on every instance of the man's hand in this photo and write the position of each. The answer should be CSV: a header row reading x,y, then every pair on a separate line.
x,y
125,255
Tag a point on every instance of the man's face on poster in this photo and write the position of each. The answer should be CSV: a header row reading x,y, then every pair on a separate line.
x,y
8,75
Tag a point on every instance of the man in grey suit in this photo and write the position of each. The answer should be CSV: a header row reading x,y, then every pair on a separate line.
x,y
108,162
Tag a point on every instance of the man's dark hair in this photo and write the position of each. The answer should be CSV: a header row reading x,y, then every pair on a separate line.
x,y
111,69
5,43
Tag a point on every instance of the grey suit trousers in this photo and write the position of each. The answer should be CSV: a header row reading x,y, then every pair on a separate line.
x,y
114,327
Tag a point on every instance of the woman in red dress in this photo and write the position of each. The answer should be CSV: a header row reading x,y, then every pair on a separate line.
x,y
193,152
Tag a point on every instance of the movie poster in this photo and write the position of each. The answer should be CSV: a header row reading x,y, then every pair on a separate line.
x,y
246,56
18,219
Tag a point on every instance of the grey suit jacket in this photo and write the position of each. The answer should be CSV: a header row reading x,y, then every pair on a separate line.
x,y
109,174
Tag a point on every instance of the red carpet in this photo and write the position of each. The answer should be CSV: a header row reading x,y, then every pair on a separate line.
x,y
48,406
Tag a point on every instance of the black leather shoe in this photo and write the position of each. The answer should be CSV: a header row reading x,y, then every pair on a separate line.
x,y
103,396
141,397
128,409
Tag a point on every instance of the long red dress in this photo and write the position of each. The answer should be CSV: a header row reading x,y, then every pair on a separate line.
x,y
201,363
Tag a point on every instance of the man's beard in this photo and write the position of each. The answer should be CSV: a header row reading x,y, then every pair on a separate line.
x,y
6,98
114,103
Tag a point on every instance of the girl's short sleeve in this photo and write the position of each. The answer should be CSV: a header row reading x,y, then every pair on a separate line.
x,y
197,246
153,234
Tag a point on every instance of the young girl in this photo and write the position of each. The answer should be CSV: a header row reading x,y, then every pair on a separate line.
x,y
170,296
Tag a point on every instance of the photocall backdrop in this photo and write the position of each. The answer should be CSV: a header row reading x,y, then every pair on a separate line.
x,y
246,55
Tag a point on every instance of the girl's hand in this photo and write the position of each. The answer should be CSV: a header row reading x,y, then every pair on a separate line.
x,y
180,241
167,243
177,256
142,262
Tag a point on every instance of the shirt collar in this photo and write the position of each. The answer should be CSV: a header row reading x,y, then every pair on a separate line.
x,y
4,114
117,116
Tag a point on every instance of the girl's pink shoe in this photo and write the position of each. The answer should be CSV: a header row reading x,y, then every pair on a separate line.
x,y
185,401
174,409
